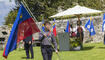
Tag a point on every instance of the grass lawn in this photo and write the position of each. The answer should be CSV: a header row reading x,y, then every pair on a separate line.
x,y
92,51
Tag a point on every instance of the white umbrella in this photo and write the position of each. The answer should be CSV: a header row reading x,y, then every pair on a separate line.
x,y
77,10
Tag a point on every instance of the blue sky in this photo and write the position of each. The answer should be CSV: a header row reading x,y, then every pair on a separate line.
x,y
5,7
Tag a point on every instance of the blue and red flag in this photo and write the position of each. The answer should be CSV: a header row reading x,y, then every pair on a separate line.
x,y
54,28
67,27
23,27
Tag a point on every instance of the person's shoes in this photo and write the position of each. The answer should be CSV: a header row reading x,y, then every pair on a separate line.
x,y
32,57
27,58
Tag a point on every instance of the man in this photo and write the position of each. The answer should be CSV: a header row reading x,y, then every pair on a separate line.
x,y
80,32
28,47
47,39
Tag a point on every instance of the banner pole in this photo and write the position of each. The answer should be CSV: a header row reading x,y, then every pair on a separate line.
x,y
29,11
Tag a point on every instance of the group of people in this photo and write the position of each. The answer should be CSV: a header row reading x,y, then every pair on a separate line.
x,y
47,39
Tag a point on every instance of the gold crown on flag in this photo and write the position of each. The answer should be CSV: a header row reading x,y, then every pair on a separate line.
x,y
53,23
21,16
42,24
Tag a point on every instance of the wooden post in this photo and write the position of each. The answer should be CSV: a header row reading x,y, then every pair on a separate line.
x,y
79,26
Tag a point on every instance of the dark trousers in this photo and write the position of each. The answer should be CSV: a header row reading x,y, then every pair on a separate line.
x,y
82,37
104,39
29,47
47,52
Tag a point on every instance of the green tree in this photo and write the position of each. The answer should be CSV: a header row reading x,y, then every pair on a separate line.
x,y
48,8
11,17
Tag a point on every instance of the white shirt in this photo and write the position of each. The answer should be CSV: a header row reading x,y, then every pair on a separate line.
x,y
72,29
82,28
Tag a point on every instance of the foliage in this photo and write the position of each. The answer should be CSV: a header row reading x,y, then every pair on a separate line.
x,y
11,17
75,42
47,8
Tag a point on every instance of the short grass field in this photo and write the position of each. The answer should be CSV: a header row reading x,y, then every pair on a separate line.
x,y
92,51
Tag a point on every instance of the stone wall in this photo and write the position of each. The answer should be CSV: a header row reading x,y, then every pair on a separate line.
x,y
61,25
4,33
6,30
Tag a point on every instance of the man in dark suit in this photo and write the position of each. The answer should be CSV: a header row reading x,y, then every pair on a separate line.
x,y
28,47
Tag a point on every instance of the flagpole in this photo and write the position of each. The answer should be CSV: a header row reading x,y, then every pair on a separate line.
x,y
91,19
37,21
103,30
90,29
29,10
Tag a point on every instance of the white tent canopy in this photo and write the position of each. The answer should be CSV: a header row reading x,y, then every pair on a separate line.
x,y
77,10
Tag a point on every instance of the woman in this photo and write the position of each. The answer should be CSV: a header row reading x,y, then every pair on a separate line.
x,y
47,39
72,31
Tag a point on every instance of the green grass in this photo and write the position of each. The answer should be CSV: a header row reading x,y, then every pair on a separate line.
x,y
92,51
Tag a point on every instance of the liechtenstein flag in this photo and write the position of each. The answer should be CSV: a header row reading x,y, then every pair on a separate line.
x,y
54,28
23,27
67,27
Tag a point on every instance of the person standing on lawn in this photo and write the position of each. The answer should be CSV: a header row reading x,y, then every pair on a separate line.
x,y
80,31
47,39
28,47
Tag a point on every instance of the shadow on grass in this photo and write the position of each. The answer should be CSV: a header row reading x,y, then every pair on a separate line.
x,y
20,49
87,48
84,49
101,47
23,57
